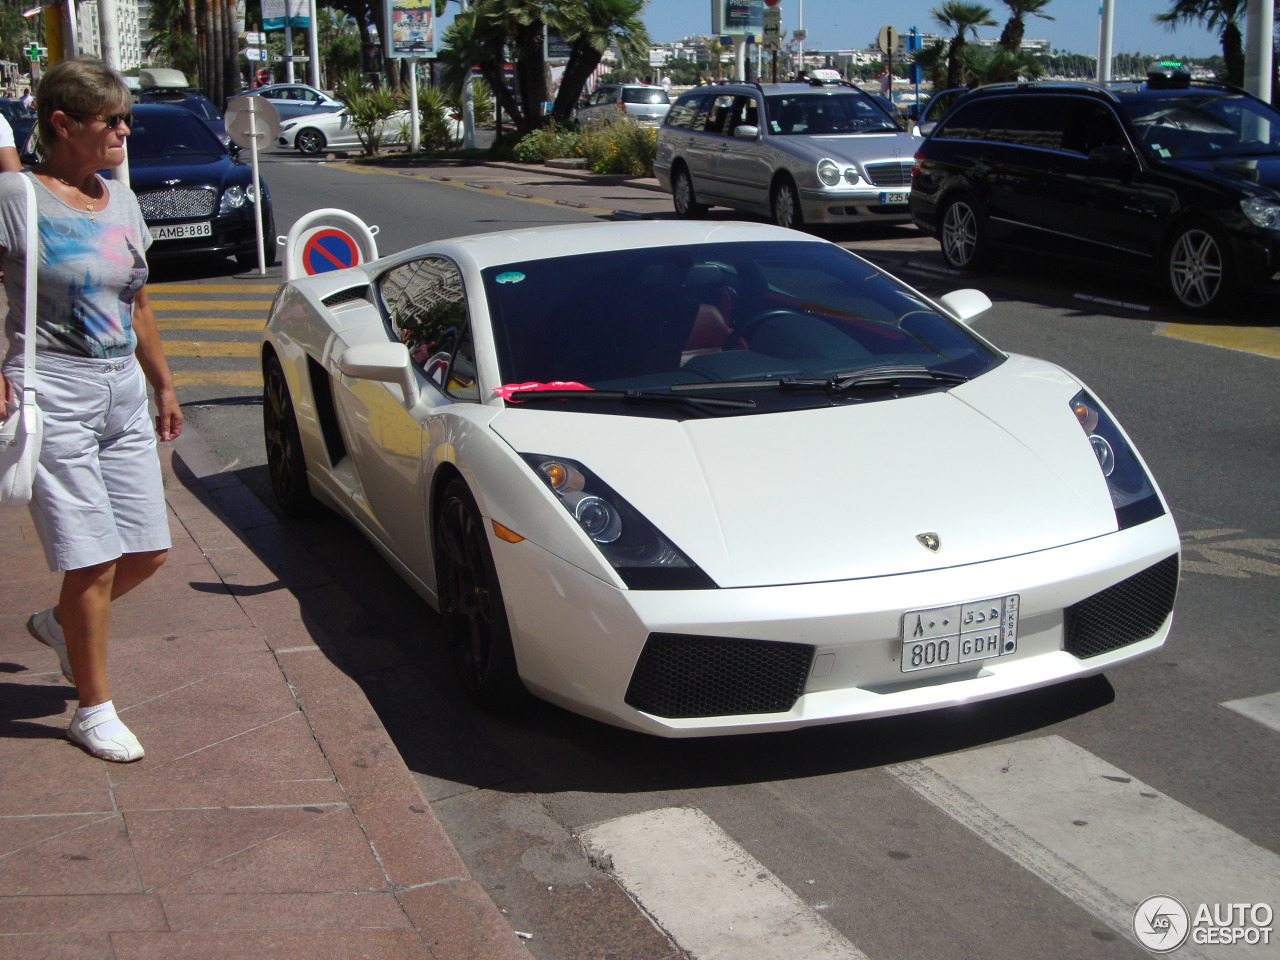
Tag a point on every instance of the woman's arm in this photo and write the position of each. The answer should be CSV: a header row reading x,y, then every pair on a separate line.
x,y
155,368
9,159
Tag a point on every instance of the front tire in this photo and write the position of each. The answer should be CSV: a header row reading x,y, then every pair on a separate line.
x,y
682,195
309,141
964,234
286,462
1199,270
785,204
475,619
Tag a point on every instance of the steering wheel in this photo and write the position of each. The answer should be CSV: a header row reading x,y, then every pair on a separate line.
x,y
748,328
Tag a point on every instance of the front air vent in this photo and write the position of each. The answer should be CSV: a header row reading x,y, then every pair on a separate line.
x,y
347,296
1131,610
681,676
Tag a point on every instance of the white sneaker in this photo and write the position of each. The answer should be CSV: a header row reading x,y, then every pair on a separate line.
x,y
45,628
121,747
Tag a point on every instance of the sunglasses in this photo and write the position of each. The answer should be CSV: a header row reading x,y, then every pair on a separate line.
x,y
112,120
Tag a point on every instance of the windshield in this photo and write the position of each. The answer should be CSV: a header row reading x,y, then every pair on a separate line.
x,y
726,319
644,95
170,135
1203,126
807,114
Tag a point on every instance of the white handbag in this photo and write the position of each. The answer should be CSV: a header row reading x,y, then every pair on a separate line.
x,y
22,431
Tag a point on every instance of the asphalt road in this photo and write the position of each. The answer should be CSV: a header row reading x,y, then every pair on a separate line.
x,y
1025,827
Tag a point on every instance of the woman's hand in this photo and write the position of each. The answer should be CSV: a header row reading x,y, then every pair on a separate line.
x,y
169,418
6,399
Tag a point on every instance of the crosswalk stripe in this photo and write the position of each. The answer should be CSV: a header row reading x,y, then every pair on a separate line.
x,y
266,289
1265,709
253,324
713,897
209,348
211,304
217,378
1099,836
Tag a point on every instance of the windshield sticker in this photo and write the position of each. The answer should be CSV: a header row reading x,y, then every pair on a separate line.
x,y
512,276
506,390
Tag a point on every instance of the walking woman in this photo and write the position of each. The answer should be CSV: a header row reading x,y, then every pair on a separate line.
x,y
97,502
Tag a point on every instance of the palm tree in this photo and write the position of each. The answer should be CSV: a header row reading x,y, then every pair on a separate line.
x,y
1224,16
170,44
932,61
962,18
591,27
1014,27
998,65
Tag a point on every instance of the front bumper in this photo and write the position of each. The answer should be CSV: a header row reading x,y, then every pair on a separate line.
x,y
821,206
578,640
229,235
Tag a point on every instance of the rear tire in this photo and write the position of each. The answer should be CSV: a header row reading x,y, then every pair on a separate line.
x,y
785,204
682,195
471,606
286,462
964,234
1198,269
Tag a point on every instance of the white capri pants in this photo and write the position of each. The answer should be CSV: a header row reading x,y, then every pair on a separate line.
x,y
97,491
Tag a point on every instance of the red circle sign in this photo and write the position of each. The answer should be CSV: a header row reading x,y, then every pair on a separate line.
x,y
330,249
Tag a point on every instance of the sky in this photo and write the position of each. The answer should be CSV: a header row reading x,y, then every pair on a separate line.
x,y
833,24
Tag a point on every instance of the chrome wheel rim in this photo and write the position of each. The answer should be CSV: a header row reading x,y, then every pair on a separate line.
x,y
785,207
309,141
683,194
959,234
1196,269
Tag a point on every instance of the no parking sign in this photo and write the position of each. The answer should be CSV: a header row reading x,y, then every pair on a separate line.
x,y
328,239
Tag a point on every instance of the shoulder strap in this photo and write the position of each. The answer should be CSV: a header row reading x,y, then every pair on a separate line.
x,y
33,262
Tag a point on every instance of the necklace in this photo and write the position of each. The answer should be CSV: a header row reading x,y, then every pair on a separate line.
x,y
89,202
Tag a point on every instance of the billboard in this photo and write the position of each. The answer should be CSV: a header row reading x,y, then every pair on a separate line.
x,y
412,30
737,17
273,14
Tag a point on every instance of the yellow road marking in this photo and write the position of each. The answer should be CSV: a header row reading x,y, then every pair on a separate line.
x,y
179,288
247,324
217,378
159,305
209,348
1260,340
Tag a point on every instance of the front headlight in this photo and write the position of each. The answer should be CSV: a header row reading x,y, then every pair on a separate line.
x,y
643,557
233,198
1262,213
1132,494
829,172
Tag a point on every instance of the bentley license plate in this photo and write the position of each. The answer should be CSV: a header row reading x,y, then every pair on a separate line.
x,y
180,231
944,636
896,197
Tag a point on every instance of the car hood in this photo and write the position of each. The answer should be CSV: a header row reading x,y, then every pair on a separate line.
x,y
853,147
1263,171
994,468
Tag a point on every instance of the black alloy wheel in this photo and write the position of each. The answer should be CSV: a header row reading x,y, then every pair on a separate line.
x,y
682,195
285,461
475,619
1199,270
785,204
309,141
964,234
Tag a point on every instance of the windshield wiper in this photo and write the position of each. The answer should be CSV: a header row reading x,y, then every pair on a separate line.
x,y
713,404
893,375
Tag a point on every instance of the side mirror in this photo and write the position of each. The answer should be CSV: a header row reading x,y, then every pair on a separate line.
x,y
1111,153
746,132
964,305
385,362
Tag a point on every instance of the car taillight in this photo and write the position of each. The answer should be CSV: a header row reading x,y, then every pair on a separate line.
x,y
916,161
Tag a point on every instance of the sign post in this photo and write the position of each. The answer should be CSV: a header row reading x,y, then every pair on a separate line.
x,y
253,122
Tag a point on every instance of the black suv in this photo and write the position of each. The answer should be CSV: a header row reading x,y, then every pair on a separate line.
x,y
1170,173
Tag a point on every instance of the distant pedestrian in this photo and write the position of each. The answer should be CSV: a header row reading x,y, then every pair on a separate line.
x,y
666,83
27,100
886,80
97,501
699,80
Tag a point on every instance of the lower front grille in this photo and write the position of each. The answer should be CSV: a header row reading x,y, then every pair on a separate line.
x,y
680,676
177,204
896,174
1125,613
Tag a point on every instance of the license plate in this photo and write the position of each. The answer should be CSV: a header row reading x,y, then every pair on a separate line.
x,y
180,231
947,636
898,197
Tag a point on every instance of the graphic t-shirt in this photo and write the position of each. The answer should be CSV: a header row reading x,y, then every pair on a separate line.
x,y
91,265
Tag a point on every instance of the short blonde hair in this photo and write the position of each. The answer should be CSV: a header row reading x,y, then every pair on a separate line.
x,y
79,88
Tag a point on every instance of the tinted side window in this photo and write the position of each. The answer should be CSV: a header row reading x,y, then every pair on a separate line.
x,y
718,117
1091,125
686,110
426,307
970,121
1032,122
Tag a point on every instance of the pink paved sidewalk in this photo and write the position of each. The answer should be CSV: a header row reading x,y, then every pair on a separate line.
x,y
272,816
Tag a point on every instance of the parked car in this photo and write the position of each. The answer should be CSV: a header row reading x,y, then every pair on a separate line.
x,y
1177,176
316,132
170,87
816,152
645,104
703,478
21,120
295,99
196,198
